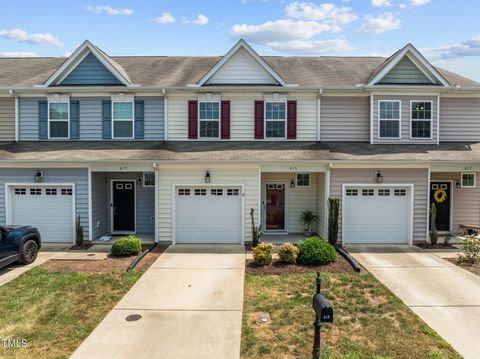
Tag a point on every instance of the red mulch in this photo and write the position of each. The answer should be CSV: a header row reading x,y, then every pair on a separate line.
x,y
425,245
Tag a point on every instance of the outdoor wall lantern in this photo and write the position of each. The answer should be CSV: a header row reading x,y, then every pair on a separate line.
x,y
139,180
38,177
378,177
207,177
292,184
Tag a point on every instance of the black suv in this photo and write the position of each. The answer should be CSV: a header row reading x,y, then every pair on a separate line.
x,y
18,243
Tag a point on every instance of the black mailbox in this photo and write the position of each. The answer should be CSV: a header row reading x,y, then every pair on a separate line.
x,y
322,308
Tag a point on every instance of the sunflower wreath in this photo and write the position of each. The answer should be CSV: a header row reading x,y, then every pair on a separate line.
x,y
440,195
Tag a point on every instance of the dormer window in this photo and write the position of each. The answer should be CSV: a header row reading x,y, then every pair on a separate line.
x,y
58,120
209,119
122,119
275,119
389,119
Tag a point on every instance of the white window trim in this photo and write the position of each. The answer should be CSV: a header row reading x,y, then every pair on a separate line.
x,y
265,119
123,120
309,179
424,120
474,179
143,182
390,119
67,120
205,120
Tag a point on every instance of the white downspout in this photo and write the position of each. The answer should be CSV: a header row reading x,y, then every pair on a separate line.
x,y
165,115
12,93
319,109
155,167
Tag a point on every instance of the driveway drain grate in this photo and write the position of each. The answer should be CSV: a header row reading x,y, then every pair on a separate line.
x,y
133,317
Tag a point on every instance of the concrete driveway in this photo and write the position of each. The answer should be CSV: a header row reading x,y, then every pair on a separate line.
x,y
445,296
191,302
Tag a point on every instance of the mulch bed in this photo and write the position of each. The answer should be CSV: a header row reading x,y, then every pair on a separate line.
x,y
436,246
474,268
279,268
108,265
84,246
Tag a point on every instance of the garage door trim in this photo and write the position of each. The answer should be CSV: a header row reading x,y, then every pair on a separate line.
x,y
207,185
411,188
8,199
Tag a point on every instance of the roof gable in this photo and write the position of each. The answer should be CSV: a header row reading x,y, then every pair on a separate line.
x,y
405,72
88,65
242,66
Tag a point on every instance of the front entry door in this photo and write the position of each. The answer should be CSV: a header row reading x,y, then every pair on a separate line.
x,y
440,194
123,206
275,207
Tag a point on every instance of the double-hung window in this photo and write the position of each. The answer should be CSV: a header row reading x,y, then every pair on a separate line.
x,y
122,119
209,119
275,119
421,119
389,118
58,120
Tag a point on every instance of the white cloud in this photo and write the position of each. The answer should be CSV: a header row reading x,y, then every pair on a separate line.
x,y
110,10
419,2
467,48
380,23
326,12
200,20
21,35
165,18
381,3
402,6
18,54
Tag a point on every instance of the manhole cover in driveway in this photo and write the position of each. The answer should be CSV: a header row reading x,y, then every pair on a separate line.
x,y
133,317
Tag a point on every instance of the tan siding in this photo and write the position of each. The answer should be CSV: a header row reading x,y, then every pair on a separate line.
x,y
7,119
299,199
466,201
405,119
345,119
417,177
194,174
459,119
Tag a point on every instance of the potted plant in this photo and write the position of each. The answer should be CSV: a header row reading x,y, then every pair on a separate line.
x,y
308,218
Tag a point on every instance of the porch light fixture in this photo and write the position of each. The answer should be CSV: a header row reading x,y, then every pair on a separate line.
x,y
207,177
139,180
378,177
292,184
38,177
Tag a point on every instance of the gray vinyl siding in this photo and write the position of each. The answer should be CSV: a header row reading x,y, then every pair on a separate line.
x,y
416,176
459,119
91,118
100,205
90,71
79,176
405,72
7,119
405,119
465,206
321,203
345,119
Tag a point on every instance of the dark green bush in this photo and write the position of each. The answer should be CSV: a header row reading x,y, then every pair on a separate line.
x,y
127,246
315,250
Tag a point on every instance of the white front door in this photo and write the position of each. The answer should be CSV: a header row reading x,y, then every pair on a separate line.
x,y
377,214
49,208
208,214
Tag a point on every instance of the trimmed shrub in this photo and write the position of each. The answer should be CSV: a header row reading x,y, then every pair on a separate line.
x,y
262,254
315,250
471,251
288,253
127,246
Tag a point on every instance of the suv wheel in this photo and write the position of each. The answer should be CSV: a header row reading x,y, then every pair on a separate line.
x,y
29,252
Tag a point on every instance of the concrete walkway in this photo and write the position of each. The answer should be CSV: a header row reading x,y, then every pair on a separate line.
x,y
190,301
445,296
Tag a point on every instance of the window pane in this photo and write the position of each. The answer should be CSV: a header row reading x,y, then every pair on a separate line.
x,y
59,129
303,180
275,129
209,129
209,111
275,110
123,129
468,180
389,128
122,111
389,110
421,110
59,111
421,129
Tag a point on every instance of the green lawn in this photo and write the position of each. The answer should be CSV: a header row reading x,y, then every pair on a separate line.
x,y
55,311
369,321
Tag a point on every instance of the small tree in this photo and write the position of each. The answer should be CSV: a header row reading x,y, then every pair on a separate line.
x,y
308,218
446,238
256,231
433,226
333,211
78,232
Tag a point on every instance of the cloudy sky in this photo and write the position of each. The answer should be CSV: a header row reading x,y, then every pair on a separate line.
x,y
446,31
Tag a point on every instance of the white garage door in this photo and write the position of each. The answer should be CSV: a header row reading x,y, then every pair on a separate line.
x,y
208,215
376,215
47,208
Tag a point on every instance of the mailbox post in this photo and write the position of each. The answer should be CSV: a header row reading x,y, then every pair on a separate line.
x,y
323,314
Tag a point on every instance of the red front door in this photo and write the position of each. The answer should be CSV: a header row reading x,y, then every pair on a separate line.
x,y
275,207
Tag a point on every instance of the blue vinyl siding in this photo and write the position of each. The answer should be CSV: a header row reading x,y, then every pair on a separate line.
x,y
90,72
100,205
28,118
79,176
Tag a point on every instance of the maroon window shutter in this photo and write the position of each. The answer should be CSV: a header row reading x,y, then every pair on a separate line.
x,y
225,119
259,120
291,120
192,119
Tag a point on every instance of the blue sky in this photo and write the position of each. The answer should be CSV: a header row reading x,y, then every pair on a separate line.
x,y
446,31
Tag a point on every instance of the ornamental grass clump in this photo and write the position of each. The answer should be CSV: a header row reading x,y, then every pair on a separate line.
x,y
316,251
471,251
127,246
262,254
288,253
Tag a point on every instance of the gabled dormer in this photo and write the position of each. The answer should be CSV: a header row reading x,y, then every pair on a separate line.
x,y
241,66
89,66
